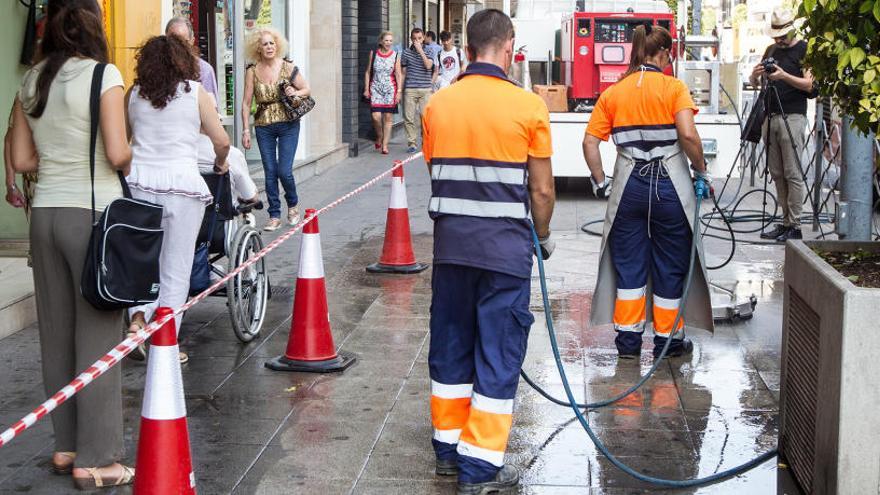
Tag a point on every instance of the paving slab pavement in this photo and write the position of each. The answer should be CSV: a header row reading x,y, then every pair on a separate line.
x,y
367,430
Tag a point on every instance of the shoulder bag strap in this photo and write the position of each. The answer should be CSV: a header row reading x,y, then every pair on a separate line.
x,y
94,120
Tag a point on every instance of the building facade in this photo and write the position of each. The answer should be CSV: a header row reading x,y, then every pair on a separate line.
x,y
363,21
330,42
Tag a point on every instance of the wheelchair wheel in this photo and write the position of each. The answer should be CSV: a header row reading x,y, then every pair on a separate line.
x,y
248,291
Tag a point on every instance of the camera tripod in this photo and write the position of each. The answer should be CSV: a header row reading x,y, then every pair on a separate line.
x,y
728,213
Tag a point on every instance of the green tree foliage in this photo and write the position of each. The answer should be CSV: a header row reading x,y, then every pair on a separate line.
x,y
673,7
843,39
740,14
709,20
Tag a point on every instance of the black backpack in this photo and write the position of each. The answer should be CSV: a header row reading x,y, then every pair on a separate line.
x,y
122,263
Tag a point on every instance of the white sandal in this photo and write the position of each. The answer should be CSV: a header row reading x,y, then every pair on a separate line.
x,y
96,480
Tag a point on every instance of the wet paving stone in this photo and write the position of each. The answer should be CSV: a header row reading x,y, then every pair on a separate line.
x,y
367,430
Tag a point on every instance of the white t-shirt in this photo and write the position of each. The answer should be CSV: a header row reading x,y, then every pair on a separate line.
x,y
62,133
448,66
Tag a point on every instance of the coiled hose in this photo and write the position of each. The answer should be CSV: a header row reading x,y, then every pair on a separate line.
x,y
572,403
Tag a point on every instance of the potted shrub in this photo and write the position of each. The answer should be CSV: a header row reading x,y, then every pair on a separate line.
x,y
829,434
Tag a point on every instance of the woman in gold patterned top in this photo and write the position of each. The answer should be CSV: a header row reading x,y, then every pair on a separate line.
x,y
267,80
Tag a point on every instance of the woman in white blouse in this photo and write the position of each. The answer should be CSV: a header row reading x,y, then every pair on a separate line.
x,y
167,108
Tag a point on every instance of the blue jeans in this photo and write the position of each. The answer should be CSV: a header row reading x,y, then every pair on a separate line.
x,y
277,144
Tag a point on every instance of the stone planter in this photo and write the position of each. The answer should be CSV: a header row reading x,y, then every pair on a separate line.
x,y
830,382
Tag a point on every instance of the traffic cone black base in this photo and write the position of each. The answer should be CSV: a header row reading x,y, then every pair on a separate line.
x,y
310,345
404,269
339,363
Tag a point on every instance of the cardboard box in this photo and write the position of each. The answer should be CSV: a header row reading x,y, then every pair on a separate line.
x,y
555,96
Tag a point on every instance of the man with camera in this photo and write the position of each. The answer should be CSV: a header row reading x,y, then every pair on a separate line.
x,y
788,86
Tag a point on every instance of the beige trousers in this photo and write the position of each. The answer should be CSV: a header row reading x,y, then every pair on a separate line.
x,y
73,335
784,164
414,101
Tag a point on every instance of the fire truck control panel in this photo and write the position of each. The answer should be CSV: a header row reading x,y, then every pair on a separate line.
x,y
596,47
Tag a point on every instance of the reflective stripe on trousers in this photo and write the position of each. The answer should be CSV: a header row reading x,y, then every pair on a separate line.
x,y
650,235
479,329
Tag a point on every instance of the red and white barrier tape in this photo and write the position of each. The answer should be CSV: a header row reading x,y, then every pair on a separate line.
x,y
126,346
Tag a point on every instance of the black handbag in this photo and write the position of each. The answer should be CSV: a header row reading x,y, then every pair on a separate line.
x,y
755,122
296,108
122,263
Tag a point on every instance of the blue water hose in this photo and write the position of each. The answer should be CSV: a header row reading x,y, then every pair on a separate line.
x,y
577,407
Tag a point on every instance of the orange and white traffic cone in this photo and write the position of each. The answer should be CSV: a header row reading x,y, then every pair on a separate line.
x,y
310,346
397,252
164,464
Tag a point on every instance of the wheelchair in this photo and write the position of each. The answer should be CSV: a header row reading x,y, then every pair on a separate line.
x,y
233,240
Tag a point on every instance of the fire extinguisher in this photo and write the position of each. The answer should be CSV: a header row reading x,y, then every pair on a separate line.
x,y
520,68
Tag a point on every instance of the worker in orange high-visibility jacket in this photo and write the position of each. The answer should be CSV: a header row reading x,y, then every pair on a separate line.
x,y
646,242
487,144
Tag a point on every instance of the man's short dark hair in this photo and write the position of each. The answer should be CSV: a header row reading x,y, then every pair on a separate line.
x,y
431,34
487,29
415,31
445,36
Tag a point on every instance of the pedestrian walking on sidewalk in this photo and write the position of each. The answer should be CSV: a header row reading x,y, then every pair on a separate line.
x,y
418,70
648,226
431,46
50,136
450,62
182,27
167,108
268,81
487,144
382,88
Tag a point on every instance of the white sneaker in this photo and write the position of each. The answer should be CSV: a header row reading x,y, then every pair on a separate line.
x,y
293,215
249,219
272,225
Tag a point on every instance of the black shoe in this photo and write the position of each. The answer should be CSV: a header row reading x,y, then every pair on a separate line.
x,y
629,354
507,477
446,467
252,204
776,232
677,348
790,233
629,344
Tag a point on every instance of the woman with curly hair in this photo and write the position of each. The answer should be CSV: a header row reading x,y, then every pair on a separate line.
x,y
167,108
277,134
50,136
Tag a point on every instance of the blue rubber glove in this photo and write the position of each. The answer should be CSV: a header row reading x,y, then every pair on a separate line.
x,y
703,185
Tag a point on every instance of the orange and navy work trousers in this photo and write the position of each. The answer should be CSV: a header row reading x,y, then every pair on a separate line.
x,y
650,236
480,323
